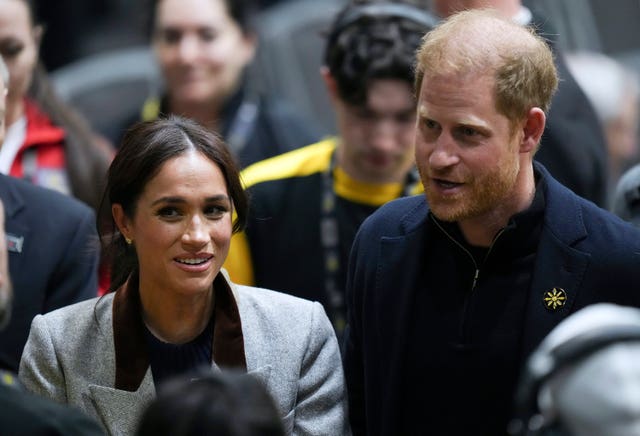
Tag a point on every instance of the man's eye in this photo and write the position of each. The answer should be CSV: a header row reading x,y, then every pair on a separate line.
x,y
208,35
170,36
430,124
468,131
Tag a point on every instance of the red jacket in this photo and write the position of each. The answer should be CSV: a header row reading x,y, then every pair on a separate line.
x,y
41,158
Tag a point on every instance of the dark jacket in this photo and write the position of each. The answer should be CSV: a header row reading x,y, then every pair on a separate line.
x,y
22,413
587,252
53,257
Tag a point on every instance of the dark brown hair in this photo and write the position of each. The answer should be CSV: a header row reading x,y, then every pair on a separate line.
x,y
145,147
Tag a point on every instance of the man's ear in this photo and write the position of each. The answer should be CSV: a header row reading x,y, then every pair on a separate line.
x,y
532,129
330,82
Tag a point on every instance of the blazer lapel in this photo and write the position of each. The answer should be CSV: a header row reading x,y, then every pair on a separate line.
x,y
16,232
120,410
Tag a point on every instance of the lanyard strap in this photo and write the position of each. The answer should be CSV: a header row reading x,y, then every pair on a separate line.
x,y
242,125
330,240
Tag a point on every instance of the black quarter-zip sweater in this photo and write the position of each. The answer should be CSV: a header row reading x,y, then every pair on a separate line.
x,y
469,316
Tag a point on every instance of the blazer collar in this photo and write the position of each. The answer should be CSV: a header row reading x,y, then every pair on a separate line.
x,y
563,215
132,359
12,198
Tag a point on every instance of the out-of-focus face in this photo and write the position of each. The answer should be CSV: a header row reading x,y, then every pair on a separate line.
x,y
377,139
181,227
622,132
200,49
19,41
3,108
469,161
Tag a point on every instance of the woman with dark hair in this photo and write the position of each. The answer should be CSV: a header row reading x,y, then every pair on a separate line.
x,y
175,199
46,143
208,403
204,49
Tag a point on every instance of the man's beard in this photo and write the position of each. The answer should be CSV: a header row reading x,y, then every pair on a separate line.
x,y
487,194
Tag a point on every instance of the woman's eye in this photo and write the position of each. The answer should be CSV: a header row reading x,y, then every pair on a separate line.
x,y
168,212
214,211
10,50
170,36
208,35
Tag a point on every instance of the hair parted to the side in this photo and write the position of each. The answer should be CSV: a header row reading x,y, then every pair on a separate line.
x,y
145,148
479,41
372,48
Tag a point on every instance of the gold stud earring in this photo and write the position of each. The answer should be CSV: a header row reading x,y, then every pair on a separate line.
x,y
127,240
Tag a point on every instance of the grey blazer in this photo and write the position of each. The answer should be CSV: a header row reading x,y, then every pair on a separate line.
x,y
289,344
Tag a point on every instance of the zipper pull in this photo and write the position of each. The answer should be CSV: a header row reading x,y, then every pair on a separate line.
x,y
475,279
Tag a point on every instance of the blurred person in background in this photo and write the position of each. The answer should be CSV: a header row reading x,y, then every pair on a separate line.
x,y
308,204
613,91
584,378
47,143
204,49
52,247
22,413
573,146
207,403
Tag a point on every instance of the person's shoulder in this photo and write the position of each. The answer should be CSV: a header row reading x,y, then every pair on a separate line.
x,y
600,227
49,202
26,413
301,162
626,198
267,299
399,216
78,313
281,320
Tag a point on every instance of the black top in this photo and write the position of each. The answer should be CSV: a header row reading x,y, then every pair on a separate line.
x,y
469,316
255,126
170,360
22,413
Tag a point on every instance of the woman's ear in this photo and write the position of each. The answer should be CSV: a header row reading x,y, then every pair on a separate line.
x,y
122,221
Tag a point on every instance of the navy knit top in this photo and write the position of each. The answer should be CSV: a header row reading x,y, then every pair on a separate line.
x,y
170,360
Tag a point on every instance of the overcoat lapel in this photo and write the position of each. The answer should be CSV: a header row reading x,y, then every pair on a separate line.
x,y
560,268
396,284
